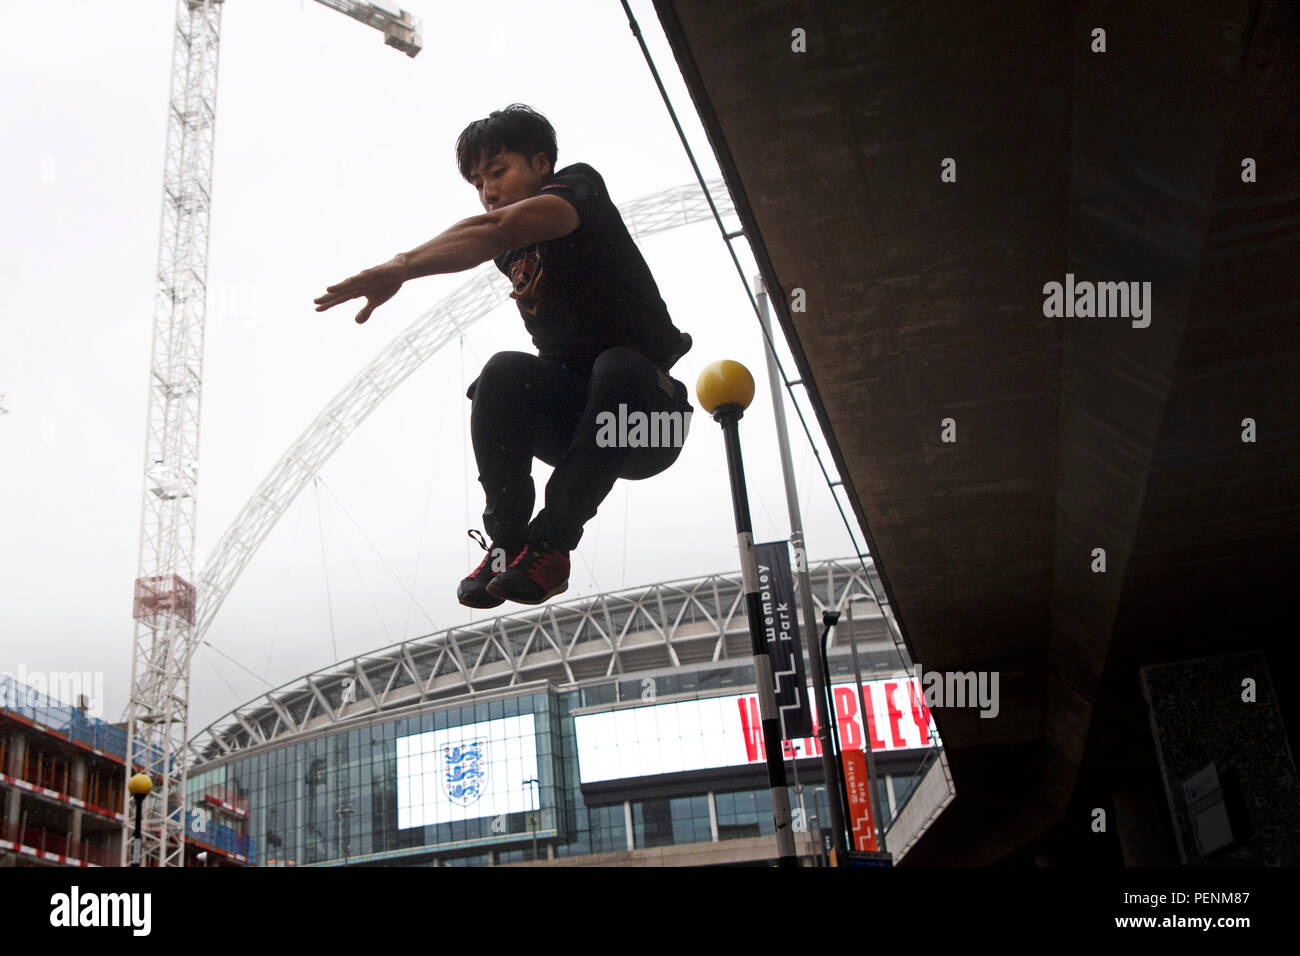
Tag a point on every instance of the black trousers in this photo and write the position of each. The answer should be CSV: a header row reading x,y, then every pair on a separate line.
x,y
626,419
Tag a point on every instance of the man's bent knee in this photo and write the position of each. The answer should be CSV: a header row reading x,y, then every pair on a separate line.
x,y
509,363
618,363
645,463
504,368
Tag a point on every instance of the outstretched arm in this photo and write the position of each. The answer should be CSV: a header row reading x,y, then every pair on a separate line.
x,y
463,246
466,244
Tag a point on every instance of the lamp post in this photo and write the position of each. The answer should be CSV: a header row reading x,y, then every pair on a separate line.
x,y
829,619
868,752
537,808
821,850
724,390
820,679
140,786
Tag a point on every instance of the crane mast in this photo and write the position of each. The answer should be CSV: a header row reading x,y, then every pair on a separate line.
x,y
165,598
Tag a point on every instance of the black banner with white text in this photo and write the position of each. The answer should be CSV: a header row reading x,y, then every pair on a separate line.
x,y
781,629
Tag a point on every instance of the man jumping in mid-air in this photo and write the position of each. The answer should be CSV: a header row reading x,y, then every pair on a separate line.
x,y
603,337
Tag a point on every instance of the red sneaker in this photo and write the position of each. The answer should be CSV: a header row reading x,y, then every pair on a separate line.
x,y
537,575
472,591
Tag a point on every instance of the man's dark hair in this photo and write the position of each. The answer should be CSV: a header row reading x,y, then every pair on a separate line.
x,y
517,129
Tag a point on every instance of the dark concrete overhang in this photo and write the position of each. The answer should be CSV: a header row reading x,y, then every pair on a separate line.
x,y
925,302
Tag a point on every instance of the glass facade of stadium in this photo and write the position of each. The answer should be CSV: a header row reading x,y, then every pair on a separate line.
x,y
595,771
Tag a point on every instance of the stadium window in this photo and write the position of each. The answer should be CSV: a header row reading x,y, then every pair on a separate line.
x,y
709,679
747,809
903,787
686,825
737,831
580,845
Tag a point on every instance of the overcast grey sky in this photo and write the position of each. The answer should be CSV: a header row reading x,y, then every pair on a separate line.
x,y
333,153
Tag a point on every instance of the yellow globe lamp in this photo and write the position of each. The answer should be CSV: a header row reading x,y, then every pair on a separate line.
x,y
724,383
140,785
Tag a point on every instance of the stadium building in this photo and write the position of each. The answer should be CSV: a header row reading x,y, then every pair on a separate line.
x,y
620,729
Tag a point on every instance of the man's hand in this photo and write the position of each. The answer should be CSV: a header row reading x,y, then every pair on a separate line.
x,y
377,284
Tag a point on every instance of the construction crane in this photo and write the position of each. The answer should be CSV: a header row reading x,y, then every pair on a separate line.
x,y
165,599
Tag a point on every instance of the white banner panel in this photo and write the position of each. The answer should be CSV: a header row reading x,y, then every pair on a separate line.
x,y
462,773
727,732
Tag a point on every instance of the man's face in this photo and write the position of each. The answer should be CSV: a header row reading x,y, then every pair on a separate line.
x,y
507,178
